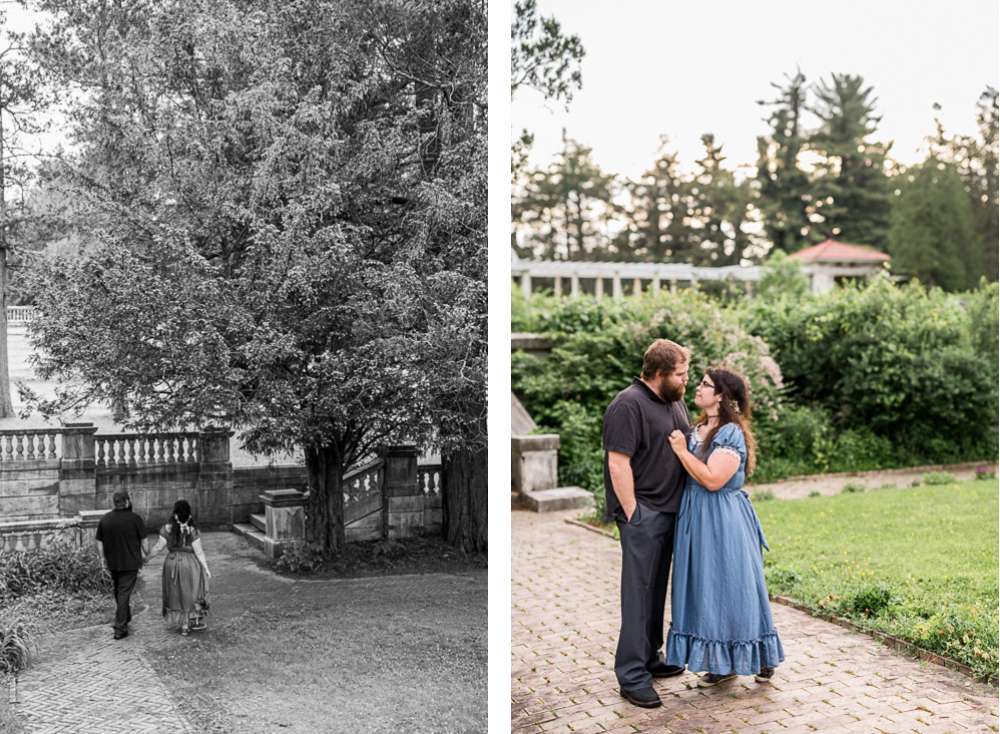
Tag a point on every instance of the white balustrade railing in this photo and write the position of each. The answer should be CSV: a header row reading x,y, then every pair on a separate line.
x,y
429,478
363,482
30,444
133,449
20,314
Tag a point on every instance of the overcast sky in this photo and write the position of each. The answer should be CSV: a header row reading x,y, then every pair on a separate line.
x,y
681,69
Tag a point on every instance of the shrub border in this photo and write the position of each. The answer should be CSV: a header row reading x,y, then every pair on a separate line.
x,y
890,641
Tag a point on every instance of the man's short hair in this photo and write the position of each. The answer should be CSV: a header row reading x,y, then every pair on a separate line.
x,y
663,355
120,498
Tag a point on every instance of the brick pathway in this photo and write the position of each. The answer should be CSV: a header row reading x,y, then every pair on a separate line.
x,y
565,620
84,682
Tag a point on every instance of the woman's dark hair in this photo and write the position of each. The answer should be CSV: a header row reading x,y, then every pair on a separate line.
x,y
733,408
180,515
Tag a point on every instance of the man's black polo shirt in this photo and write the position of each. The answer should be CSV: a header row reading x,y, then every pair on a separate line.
x,y
638,423
121,533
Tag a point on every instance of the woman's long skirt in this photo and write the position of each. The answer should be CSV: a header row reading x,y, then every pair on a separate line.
x,y
184,584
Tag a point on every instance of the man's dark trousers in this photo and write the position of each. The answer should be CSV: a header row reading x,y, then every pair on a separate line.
x,y
124,582
647,548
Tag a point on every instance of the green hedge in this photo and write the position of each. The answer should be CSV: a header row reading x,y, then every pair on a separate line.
x,y
870,376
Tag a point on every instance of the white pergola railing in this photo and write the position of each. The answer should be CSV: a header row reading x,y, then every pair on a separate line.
x,y
658,275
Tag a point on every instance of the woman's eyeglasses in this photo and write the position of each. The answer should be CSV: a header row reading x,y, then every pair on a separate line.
x,y
706,383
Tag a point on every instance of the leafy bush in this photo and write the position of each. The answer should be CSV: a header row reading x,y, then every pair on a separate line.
x,y
600,350
762,495
58,566
939,477
301,558
869,599
17,640
781,580
900,363
852,487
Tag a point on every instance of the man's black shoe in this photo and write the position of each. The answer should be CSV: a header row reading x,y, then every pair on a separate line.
x,y
662,670
644,697
120,635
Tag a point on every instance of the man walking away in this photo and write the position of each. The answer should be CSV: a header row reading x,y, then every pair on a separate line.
x,y
643,483
121,542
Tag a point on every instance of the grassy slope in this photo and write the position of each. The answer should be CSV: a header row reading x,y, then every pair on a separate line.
x,y
931,550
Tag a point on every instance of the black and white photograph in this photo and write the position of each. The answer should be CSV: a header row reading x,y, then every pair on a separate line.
x,y
243,366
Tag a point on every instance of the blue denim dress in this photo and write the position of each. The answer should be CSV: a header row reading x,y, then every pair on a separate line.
x,y
720,608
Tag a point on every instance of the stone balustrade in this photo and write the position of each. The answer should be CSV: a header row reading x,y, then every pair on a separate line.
x,y
20,314
132,449
30,444
657,274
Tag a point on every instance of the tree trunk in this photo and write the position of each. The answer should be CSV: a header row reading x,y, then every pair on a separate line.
x,y
325,521
6,406
464,521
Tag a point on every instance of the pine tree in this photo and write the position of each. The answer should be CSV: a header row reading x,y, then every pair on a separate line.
x,y
851,189
933,235
785,190
976,159
722,207
657,215
563,209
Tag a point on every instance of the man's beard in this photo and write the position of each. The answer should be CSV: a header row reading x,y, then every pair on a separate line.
x,y
671,394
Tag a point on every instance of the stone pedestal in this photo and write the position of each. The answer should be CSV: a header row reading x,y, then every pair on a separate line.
x,y
78,470
215,477
534,461
284,515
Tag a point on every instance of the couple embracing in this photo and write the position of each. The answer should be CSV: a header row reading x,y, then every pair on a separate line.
x,y
675,492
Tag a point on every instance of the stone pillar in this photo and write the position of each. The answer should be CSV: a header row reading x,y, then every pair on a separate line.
x,y
654,289
284,519
402,498
213,497
574,286
86,524
526,285
534,462
637,287
599,287
616,286
558,286
78,471
673,285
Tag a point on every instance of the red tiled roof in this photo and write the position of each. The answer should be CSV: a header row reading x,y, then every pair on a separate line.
x,y
831,251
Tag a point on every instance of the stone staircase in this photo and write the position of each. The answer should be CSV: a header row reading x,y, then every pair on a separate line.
x,y
255,531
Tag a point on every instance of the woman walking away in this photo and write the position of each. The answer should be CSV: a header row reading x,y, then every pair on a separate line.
x,y
721,613
185,571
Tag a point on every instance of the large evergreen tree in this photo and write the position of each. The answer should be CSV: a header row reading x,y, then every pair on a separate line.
x,y
564,208
657,214
722,207
933,235
785,191
976,159
851,189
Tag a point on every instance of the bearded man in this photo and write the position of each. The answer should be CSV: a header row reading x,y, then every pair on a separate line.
x,y
643,484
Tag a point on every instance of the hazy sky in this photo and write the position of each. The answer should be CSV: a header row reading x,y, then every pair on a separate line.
x,y
682,69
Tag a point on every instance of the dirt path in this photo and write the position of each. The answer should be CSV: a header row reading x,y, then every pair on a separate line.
x,y
827,484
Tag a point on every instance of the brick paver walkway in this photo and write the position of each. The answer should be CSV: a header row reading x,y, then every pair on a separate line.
x,y
565,621
84,682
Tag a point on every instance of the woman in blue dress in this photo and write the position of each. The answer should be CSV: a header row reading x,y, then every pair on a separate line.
x,y
721,613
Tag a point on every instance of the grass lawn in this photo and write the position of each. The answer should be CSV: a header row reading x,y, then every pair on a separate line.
x,y
919,563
